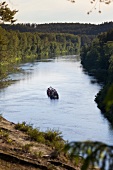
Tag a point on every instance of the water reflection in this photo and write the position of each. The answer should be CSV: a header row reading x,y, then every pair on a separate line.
x,y
75,113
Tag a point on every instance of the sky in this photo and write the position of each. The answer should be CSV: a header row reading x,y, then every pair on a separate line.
x,y
55,11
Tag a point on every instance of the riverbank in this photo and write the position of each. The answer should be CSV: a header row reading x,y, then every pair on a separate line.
x,y
97,60
22,101
19,151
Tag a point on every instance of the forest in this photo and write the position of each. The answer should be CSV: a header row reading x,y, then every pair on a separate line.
x,y
86,32
97,59
19,42
96,51
16,47
72,28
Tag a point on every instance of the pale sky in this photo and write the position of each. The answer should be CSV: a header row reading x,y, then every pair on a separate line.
x,y
55,11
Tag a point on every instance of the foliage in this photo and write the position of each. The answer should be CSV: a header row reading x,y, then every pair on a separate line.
x,y
95,154
95,3
97,59
98,2
6,14
26,147
4,134
16,46
71,28
109,98
50,137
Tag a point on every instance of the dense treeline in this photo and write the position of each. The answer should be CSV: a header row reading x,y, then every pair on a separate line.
x,y
16,46
97,59
72,28
87,32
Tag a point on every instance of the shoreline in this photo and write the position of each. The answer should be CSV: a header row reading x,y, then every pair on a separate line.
x,y
19,151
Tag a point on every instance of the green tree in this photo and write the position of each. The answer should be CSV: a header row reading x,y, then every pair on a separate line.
x,y
6,14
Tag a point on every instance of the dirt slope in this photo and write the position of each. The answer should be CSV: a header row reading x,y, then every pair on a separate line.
x,y
18,152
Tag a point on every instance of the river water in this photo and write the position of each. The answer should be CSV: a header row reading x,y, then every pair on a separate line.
x,y
75,114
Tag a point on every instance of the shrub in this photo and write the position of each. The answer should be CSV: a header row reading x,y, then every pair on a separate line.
x,y
50,137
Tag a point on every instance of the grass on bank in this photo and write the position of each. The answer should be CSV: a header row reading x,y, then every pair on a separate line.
x,y
51,138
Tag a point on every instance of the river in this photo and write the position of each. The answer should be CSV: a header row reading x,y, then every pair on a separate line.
x,y
75,114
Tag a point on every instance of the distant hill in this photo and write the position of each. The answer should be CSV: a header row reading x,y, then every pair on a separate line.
x,y
72,28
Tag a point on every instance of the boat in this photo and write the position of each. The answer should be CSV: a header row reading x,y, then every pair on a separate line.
x,y
52,93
